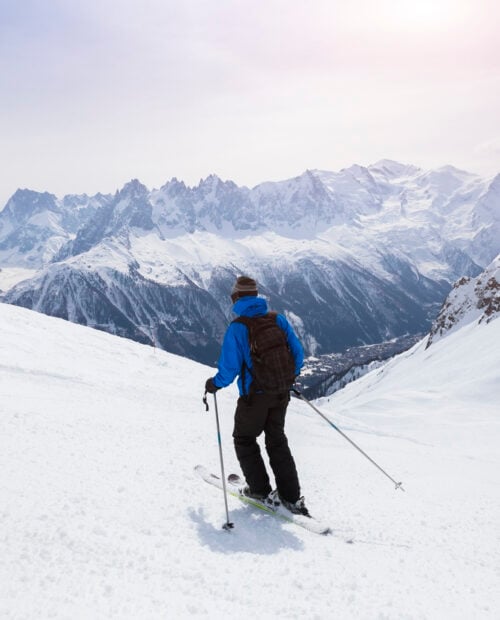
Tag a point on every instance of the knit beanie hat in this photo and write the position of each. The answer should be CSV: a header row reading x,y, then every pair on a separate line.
x,y
244,287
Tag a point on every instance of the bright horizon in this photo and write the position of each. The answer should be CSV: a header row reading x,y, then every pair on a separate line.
x,y
91,97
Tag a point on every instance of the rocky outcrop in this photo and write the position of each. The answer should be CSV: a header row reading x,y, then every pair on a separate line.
x,y
471,299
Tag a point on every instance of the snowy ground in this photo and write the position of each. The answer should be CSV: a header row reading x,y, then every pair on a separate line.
x,y
102,516
10,276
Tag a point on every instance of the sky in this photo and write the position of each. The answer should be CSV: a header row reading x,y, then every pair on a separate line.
x,y
94,94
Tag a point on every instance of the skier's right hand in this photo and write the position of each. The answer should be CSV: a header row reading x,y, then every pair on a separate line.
x,y
210,386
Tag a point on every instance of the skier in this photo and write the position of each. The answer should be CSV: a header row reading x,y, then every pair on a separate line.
x,y
256,410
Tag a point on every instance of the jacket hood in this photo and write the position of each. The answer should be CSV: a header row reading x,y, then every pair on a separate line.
x,y
250,306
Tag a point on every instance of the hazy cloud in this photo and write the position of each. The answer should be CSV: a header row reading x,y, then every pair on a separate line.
x,y
92,94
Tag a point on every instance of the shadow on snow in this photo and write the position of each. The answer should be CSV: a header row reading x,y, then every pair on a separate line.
x,y
252,533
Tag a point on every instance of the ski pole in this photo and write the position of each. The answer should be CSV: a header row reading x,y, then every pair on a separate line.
x,y
399,485
227,525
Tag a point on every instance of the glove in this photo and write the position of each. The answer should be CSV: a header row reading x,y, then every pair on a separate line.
x,y
210,386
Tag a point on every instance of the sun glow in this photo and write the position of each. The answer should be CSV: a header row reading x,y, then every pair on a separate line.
x,y
420,14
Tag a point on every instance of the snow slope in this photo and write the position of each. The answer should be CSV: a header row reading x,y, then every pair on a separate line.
x,y
103,517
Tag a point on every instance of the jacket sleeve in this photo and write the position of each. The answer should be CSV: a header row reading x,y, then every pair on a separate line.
x,y
293,342
231,357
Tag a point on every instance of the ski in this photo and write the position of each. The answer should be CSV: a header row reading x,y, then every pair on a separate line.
x,y
233,487
278,510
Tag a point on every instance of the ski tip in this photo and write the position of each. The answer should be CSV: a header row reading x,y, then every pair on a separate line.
x,y
204,473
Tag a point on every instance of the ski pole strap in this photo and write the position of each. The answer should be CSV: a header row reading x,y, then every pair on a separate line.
x,y
205,401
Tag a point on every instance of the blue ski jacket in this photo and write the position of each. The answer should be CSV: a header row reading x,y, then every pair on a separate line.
x,y
236,348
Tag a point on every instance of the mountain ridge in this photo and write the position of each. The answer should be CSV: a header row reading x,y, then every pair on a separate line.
x,y
352,257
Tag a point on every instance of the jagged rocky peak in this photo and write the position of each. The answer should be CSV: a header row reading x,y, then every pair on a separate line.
x,y
470,299
449,169
133,189
309,176
391,168
490,198
25,202
360,175
76,201
310,183
445,180
214,185
301,203
209,185
357,171
132,208
212,179
495,183
173,187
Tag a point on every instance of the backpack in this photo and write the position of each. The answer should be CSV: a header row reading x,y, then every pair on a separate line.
x,y
273,363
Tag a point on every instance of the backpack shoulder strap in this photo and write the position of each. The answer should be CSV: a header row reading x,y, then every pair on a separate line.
x,y
250,320
245,320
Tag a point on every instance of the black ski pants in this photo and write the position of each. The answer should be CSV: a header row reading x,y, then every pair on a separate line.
x,y
258,413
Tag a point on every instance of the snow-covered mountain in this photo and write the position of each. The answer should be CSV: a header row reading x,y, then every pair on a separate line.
x,y
34,226
103,517
471,299
353,257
